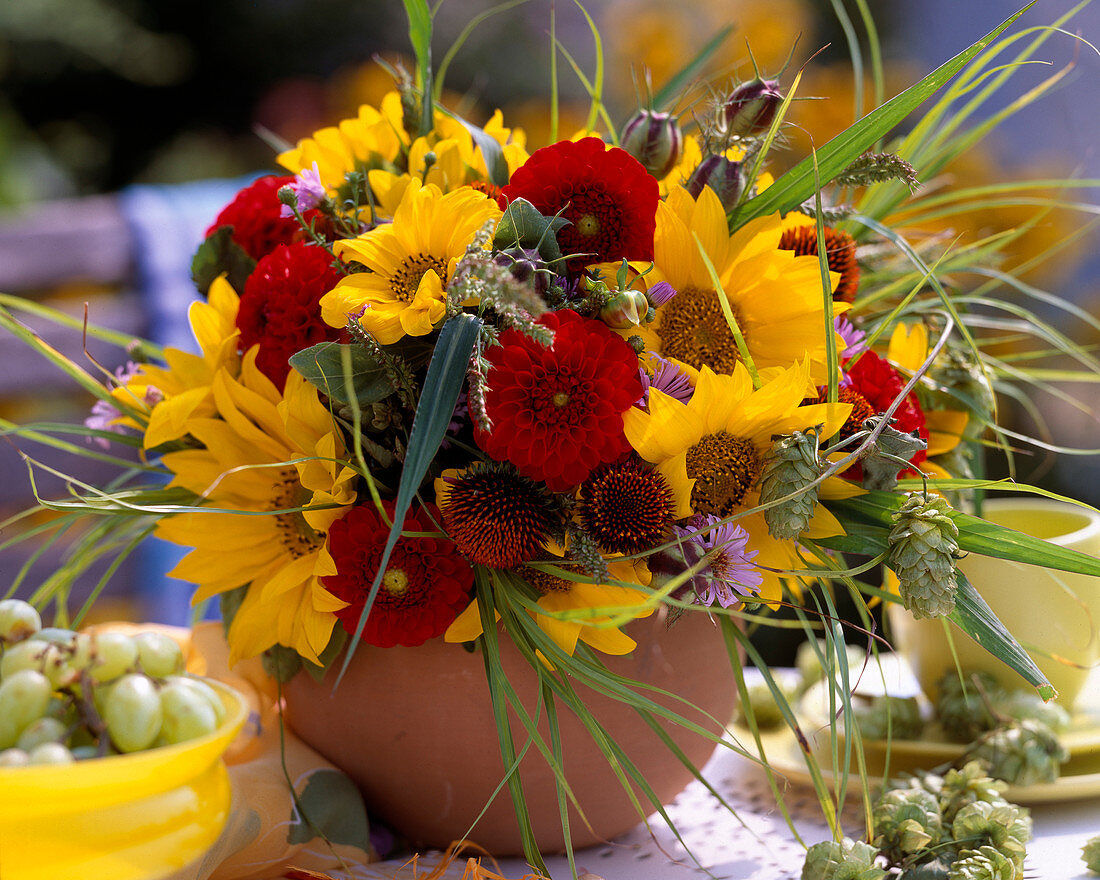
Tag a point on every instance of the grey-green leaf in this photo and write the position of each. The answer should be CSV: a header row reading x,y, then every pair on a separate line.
x,y
522,224
323,365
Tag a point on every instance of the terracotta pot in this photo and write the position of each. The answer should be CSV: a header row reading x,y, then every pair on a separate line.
x,y
414,727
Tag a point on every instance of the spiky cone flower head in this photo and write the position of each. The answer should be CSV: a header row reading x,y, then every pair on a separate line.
x,y
1022,753
654,139
983,863
171,396
847,860
800,236
410,262
1004,826
775,297
243,469
626,506
496,516
923,549
906,821
750,109
712,451
793,465
560,597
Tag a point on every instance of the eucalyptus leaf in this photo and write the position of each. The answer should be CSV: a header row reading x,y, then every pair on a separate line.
x,y
220,254
442,385
797,185
522,225
323,365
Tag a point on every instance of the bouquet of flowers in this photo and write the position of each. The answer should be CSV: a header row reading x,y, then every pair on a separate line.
x,y
452,385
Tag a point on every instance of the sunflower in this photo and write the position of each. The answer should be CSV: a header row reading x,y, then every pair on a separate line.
x,y
409,262
712,451
180,391
774,295
243,470
558,596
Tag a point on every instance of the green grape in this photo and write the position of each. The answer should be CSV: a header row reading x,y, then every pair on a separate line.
x,y
43,730
160,655
14,758
40,656
18,620
201,687
82,653
187,713
83,753
50,753
55,635
9,732
24,697
132,712
115,655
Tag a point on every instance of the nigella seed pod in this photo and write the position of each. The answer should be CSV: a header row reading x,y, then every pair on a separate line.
x,y
627,308
527,267
721,175
655,140
751,107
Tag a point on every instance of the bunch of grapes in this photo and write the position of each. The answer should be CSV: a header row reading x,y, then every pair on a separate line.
x,y
67,696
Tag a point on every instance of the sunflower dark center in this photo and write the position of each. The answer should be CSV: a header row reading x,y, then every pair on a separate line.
x,y
545,583
693,329
724,468
296,535
406,279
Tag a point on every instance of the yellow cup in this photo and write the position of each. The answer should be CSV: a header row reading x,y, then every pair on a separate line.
x,y
1055,615
141,816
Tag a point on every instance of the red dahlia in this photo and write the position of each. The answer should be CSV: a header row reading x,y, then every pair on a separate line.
x,y
279,306
557,410
606,195
426,584
879,384
254,216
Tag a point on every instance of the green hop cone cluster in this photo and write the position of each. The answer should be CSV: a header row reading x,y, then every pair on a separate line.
x,y
967,785
1021,753
793,464
763,706
812,654
1003,826
889,718
984,863
923,549
906,821
1029,706
964,704
1090,854
847,860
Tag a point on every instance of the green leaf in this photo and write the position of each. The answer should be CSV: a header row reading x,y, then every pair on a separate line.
x,y
323,365
797,185
219,254
420,35
523,225
669,92
975,618
330,807
446,374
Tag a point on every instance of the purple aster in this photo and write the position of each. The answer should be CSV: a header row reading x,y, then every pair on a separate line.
x,y
105,414
855,340
728,573
660,293
667,377
308,188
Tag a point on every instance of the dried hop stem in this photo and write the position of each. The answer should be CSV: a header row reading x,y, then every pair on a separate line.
x,y
793,464
923,550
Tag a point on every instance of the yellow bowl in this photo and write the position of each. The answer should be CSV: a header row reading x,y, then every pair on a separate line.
x,y
140,816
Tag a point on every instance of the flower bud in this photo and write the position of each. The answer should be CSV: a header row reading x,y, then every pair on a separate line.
x,y
655,140
721,175
627,308
751,107
527,267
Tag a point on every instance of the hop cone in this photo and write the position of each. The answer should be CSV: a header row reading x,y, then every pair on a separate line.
x,y
984,863
963,705
762,704
1004,827
847,860
1028,706
792,465
1090,853
906,821
967,786
1023,753
808,660
923,549
893,717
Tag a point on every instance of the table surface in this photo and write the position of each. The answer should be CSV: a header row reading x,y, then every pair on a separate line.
x,y
754,841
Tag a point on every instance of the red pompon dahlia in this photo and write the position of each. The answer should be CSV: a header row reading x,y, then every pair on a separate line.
x,y
607,196
255,217
557,411
280,306
879,384
426,584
